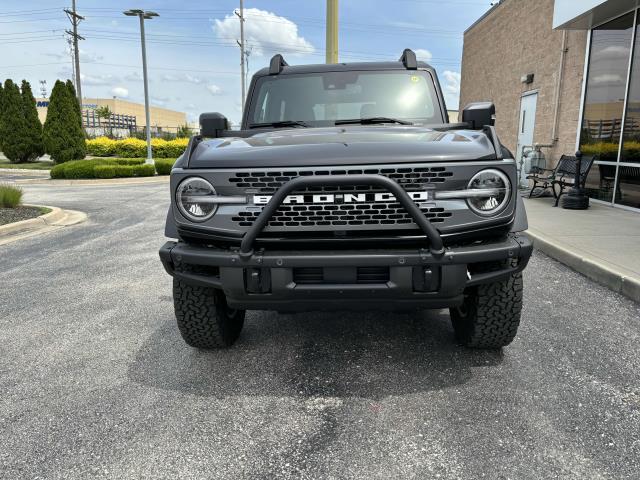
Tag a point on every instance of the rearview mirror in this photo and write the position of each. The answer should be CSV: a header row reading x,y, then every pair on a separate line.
x,y
479,114
212,123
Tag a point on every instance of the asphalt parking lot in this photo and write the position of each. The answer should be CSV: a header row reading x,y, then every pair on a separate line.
x,y
96,382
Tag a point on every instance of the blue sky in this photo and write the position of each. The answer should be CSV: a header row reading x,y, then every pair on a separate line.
x,y
192,57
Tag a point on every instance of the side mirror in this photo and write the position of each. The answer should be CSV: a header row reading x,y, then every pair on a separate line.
x,y
479,114
212,123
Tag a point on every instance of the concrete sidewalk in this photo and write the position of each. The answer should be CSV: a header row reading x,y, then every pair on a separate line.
x,y
602,243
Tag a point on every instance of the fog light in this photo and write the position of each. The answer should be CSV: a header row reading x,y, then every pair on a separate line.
x,y
494,192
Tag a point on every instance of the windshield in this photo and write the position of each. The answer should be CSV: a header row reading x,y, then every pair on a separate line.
x,y
321,99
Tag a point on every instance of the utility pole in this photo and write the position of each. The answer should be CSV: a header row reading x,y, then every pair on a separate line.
x,y
332,32
75,21
144,15
242,54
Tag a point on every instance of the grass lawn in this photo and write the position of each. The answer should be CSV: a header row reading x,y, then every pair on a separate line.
x,y
29,165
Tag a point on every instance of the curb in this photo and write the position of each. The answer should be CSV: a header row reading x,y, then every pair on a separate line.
x,y
588,266
56,218
114,181
24,171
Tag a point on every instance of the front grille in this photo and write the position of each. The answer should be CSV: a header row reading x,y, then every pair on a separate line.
x,y
391,213
411,178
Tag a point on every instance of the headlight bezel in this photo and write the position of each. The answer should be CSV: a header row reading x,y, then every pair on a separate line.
x,y
507,193
179,200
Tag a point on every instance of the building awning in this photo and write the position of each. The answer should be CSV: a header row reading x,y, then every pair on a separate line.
x,y
586,14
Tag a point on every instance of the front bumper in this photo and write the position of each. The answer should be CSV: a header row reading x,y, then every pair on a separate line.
x,y
271,280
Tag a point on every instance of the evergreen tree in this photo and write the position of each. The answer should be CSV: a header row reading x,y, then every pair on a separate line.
x,y
63,134
1,110
76,104
32,125
13,128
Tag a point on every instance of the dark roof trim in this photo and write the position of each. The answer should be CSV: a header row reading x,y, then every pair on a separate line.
x,y
485,15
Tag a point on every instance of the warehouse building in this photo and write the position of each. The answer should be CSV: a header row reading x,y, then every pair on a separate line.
x,y
127,116
564,75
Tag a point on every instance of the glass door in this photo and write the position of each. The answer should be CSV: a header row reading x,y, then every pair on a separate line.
x,y
604,111
627,181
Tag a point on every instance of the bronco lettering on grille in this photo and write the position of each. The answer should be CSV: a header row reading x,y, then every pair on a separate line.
x,y
340,198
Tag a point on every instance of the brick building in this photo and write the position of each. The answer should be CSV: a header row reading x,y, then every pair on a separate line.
x,y
563,74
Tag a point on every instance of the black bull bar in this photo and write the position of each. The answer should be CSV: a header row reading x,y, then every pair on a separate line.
x,y
436,247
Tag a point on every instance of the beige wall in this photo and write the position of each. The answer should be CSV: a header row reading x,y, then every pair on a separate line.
x,y
514,39
160,117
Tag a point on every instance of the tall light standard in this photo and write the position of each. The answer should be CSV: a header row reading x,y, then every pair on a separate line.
x,y
144,15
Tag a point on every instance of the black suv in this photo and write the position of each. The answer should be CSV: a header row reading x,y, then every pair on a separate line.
x,y
347,188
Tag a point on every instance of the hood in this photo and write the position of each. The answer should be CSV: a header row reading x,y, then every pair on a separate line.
x,y
348,145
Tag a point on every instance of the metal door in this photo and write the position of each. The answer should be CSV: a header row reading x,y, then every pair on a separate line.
x,y
526,126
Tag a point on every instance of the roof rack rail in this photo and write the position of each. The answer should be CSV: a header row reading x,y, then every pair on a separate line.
x,y
408,58
276,64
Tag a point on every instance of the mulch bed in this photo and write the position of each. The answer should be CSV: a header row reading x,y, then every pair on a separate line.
x,y
10,215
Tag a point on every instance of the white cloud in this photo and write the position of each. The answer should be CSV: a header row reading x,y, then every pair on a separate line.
x,y
214,89
265,32
85,57
451,88
182,77
107,79
134,77
423,54
120,92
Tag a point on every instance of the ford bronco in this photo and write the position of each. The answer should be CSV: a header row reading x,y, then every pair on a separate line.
x,y
346,187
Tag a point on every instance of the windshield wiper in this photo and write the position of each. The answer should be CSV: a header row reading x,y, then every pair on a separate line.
x,y
371,121
283,123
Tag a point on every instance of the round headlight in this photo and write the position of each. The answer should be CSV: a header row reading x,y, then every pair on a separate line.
x,y
194,199
494,190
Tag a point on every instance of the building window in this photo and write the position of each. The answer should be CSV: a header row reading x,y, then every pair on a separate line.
x,y
608,84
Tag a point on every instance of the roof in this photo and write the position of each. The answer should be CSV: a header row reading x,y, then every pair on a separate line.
x,y
342,67
485,15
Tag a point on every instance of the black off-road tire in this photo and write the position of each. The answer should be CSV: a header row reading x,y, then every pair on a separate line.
x,y
490,315
204,318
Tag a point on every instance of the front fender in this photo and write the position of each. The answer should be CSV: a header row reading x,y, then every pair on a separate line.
x,y
520,222
170,227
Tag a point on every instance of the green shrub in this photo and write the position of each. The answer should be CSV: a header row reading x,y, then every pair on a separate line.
x,y
102,168
164,165
10,196
123,170
104,171
128,161
144,170
57,171
80,169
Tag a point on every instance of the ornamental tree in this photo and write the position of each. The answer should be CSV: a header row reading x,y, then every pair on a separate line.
x,y
63,133
12,127
32,133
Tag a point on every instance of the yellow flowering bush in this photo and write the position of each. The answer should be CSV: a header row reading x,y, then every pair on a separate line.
x,y
609,150
136,148
101,147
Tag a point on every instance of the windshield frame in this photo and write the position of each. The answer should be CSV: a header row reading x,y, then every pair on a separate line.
x,y
251,104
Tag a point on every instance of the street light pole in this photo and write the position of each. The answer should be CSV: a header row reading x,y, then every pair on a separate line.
x,y
242,55
145,15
